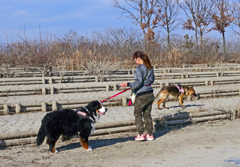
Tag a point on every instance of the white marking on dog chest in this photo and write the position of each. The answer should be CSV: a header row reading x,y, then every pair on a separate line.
x,y
93,128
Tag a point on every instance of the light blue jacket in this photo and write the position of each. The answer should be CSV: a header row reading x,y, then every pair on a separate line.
x,y
139,75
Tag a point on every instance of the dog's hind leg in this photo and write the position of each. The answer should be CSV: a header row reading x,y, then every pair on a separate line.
x,y
164,105
159,102
162,101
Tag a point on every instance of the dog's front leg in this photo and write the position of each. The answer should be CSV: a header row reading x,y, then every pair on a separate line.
x,y
181,100
84,143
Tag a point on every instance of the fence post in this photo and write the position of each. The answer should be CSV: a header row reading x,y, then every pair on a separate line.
x,y
5,109
115,87
232,114
44,106
43,91
107,87
238,113
54,106
124,101
18,108
96,78
43,80
214,94
211,82
52,90
161,85
50,80
206,83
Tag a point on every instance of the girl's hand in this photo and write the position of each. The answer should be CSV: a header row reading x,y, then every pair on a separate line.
x,y
124,84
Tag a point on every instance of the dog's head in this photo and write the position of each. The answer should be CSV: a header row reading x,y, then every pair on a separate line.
x,y
98,107
191,92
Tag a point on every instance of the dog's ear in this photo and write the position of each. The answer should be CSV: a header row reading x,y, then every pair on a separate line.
x,y
191,86
94,105
98,105
91,105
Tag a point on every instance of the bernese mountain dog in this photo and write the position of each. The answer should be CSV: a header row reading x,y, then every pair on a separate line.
x,y
69,123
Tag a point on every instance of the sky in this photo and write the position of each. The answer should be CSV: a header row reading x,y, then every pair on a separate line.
x,y
58,17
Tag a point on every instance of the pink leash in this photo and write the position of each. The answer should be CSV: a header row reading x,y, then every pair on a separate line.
x,y
116,95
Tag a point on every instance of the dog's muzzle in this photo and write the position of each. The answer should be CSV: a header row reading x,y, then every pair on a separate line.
x,y
102,110
195,96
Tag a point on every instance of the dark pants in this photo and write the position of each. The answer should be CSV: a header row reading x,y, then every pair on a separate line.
x,y
143,108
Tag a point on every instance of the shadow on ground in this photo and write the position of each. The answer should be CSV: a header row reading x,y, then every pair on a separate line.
x,y
99,143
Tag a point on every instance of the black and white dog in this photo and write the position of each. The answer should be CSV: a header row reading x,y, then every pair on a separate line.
x,y
69,123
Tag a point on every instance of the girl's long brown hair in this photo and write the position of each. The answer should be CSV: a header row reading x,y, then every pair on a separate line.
x,y
144,57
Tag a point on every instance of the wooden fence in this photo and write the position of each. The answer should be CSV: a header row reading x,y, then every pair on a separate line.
x,y
117,101
41,72
167,121
44,89
110,78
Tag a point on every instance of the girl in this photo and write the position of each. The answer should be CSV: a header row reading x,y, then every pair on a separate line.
x,y
144,77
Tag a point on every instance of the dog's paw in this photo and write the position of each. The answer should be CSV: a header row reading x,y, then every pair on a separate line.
x,y
89,148
56,151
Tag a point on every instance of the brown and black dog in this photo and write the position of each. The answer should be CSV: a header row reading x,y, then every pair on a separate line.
x,y
174,92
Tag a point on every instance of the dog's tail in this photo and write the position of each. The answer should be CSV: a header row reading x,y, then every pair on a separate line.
x,y
41,135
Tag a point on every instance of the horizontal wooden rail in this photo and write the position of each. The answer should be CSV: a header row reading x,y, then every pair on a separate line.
x,y
181,119
211,81
18,108
110,78
41,72
117,101
45,89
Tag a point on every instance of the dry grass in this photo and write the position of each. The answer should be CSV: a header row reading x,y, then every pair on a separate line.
x,y
111,49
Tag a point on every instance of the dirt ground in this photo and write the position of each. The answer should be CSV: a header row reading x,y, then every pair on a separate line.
x,y
205,144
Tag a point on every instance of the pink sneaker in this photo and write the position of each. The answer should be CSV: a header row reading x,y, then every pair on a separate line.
x,y
139,137
149,137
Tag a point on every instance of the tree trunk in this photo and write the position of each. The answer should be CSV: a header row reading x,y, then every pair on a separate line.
x,y
201,43
224,47
196,38
168,40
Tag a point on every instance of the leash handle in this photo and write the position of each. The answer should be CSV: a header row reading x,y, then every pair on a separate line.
x,y
116,95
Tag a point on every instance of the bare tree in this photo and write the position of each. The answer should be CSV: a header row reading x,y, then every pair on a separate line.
x,y
199,14
170,10
236,15
145,13
222,18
